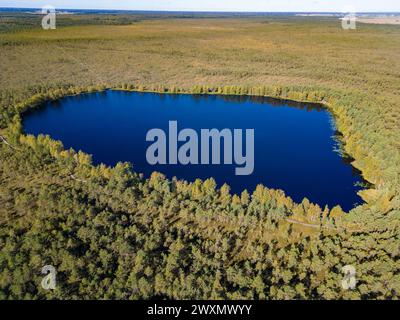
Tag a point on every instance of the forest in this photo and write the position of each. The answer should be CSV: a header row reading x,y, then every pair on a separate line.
x,y
113,234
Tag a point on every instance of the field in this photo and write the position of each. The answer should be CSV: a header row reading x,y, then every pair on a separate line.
x,y
114,235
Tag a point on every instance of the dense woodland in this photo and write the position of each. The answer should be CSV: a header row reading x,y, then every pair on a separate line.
x,y
112,234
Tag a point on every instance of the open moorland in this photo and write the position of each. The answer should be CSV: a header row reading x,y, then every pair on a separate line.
x,y
113,234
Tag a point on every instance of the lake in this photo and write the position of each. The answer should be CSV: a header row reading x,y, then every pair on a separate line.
x,y
295,148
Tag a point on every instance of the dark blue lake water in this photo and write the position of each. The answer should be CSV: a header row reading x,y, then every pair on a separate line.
x,y
294,144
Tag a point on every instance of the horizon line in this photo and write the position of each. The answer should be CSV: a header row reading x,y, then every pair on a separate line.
x,y
196,11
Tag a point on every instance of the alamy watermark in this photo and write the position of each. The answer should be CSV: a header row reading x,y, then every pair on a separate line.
x,y
349,21
190,153
49,281
49,20
349,280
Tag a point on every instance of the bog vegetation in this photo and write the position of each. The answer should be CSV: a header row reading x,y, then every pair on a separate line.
x,y
110,233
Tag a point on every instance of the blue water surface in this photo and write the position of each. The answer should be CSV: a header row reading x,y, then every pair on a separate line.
x,y
294,144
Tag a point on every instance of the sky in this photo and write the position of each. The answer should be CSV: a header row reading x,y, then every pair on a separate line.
x,y
216,5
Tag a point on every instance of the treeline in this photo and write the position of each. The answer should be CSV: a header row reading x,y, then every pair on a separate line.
x,y
295,93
